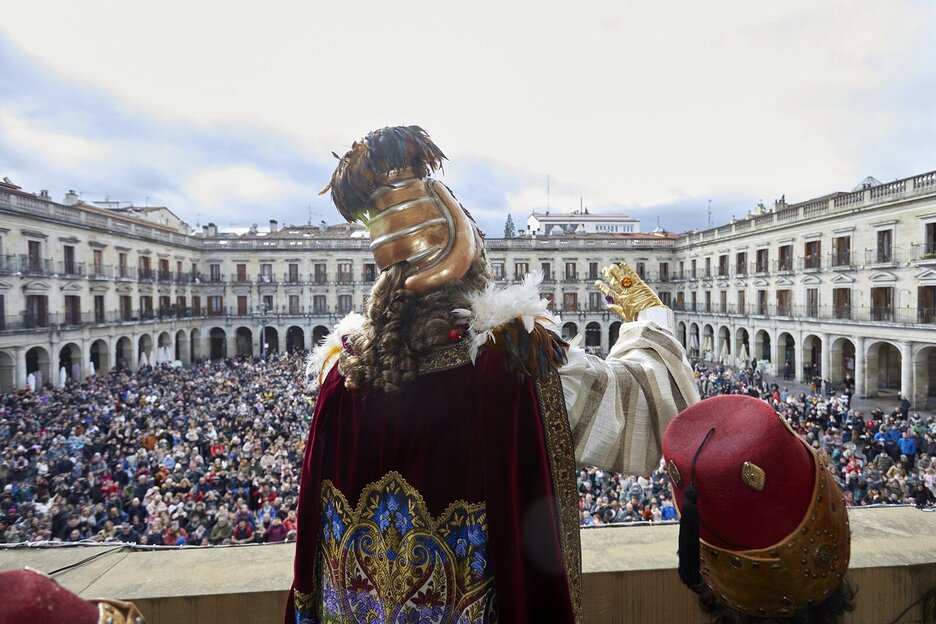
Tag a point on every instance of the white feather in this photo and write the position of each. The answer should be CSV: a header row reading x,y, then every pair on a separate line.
x,y
351,324
498,305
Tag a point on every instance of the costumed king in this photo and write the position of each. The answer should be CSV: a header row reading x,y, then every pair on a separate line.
x,y
439,478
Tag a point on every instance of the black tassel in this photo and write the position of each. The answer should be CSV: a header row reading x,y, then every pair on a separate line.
x,y
689,550
689,557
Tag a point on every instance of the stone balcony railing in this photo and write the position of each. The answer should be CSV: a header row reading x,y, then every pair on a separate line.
x,y
629,574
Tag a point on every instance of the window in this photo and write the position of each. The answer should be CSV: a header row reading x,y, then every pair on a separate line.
x,y
693,270
762,302
885,249
126,308
682,270
785,302
549,300
763,256
370,272
593,270
520,270
344,272
68,253
214,272
241,275
641,270
571,272
841,303
146,307
570,302
267,302
215,305
594,302
741,263
266,273
165,274
882,303
723,265
498,269
664,271
708,268
680,300
708,300
786,258
196,305
319,304
841,251
165,306
97,261
812,255
812,302
694,303
665,299
344,304
929,249
294,304
181,310
926,304
99,316
723,301
321,274
178,269
146,268
742,304
34,257
293,274
72,310
545,269
242,309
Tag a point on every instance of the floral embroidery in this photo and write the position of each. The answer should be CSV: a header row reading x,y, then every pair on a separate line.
x,y
389,561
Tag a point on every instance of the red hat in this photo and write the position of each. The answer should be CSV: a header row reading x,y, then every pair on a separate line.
x,y
33,598
762,521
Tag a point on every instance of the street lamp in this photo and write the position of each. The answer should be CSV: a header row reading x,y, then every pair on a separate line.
x,y
263,324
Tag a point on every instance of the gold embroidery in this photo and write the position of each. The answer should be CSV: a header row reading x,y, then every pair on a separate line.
x,y
389,556
447,358
562,466
753,476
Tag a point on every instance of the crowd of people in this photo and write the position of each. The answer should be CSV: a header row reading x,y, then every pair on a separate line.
x,y
162,456
880,457
211,454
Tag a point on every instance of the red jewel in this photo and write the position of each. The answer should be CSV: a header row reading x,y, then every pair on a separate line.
x,y
456,334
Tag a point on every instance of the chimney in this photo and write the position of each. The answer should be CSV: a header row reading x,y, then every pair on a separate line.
x,y
212,229
44,194
71,198
204,231
273,226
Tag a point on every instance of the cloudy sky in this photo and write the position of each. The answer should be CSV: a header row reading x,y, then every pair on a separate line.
x,y
229,111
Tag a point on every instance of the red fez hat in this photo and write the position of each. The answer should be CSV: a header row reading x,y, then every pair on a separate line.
x,y
762,519
33,598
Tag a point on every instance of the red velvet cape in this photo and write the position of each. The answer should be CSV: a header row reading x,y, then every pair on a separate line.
x,y
469,432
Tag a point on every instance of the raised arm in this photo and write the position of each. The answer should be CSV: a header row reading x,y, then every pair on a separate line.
x,y
619,407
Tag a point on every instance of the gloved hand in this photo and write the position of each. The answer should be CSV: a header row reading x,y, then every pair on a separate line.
x,y
625,293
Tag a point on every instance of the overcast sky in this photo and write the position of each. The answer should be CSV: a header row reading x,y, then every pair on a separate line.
x,y
229,111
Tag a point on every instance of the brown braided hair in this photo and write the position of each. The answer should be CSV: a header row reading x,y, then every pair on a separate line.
x,y
401,327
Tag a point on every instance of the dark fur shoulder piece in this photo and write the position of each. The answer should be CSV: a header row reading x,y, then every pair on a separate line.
x,y
830,611
367,166
528,354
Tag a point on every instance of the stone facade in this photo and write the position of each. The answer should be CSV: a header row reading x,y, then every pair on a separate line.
x,y
846,283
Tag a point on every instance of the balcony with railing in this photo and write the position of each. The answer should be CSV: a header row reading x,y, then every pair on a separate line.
x,y
34,265
292,278
146,275
164,276
266,278
881,314
70,269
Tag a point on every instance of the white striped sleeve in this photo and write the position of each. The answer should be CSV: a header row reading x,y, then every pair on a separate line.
x,y
619,407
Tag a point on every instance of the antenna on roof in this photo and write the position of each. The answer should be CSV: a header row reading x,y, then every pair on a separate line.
x,y
310,214
547,193
710,214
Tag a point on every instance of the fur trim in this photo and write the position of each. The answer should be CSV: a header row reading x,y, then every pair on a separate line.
x,y
497,306
323,357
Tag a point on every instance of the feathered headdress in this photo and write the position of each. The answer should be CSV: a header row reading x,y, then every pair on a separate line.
x,y
384,182
368,165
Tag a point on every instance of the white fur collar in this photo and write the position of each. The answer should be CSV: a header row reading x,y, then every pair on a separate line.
x,y
498,305
322,355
